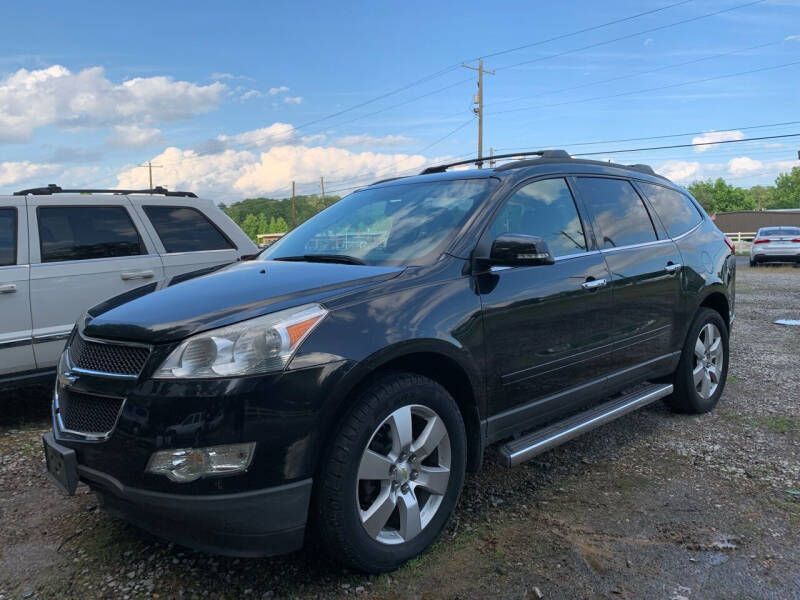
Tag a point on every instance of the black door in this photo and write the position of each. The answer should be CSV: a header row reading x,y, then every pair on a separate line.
x,y
547,342
645,276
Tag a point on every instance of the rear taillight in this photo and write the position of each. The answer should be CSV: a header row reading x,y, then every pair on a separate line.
x,y
730,244
761,241
796,240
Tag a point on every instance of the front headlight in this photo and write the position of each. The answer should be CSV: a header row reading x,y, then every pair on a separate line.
x,y
254,346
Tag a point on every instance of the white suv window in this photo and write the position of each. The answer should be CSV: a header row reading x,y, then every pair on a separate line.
x,y
184,229
8,236
87,232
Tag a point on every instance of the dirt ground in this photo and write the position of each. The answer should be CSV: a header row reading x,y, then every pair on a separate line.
x,y
654,505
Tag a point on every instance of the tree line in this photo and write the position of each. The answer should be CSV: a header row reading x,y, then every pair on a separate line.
x,y
720,196
274,215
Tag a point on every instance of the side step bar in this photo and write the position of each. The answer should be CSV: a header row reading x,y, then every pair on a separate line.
x,y
528,446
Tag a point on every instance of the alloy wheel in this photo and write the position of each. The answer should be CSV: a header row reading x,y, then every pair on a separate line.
x,y
403,474
708,361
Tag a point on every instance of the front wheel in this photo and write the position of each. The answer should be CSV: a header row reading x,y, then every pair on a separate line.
x,y
393,474
703,367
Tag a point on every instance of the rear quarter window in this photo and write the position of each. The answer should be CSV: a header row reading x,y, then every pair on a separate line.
x,y
186,229
675,210
8,236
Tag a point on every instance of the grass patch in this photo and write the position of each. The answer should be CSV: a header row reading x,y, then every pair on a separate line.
x,y
779,424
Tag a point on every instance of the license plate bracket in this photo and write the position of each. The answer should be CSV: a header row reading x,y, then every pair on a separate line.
x,y
62,464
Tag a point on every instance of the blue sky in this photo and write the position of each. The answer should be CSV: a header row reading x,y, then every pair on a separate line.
x,y
235,99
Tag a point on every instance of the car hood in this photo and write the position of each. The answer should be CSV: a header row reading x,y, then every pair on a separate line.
x,y
167,312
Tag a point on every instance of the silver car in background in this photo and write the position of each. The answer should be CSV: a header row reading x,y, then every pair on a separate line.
x,y
776,244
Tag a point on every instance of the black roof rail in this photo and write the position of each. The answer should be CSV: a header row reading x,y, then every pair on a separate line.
x,y
54,189
643,169
480,161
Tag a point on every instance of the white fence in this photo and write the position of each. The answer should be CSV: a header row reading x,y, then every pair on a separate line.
x,y
742,240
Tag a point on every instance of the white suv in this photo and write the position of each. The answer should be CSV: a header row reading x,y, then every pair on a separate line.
x,y
63,251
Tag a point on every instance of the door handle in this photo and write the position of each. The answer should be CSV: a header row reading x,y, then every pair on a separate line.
x,y
136,275
594,284
8,288
672,267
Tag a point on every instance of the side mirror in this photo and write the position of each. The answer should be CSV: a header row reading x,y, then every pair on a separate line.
x,y
516,250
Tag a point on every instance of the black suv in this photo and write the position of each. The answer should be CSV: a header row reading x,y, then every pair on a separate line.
x,y
345,380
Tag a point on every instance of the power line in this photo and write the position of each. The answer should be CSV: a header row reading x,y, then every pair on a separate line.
x,y
641,73
631,35
578,32
653,89
654,137
755,139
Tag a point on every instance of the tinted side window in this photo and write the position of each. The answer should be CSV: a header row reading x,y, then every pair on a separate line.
x,y
618,211
545,209
184,229
86,232
8,236
677,212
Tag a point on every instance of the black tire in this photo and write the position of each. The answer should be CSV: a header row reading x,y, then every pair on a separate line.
x,y
336,502
752,263
686,398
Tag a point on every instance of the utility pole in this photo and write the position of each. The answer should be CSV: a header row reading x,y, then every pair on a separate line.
x,y
293,219
491,154
479,102
322,185
150,166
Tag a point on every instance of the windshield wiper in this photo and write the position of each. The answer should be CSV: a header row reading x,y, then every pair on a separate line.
x,y
345,259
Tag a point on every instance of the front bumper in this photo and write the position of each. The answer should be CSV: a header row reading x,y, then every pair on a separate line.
x,y
253,523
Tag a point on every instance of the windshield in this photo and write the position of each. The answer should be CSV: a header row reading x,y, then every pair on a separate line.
x,y
778,231
403,224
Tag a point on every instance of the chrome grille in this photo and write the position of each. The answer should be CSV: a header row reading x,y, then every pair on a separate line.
x,y
116,359
88,414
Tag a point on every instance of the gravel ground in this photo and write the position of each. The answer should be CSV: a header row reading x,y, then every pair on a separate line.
x,y
654,505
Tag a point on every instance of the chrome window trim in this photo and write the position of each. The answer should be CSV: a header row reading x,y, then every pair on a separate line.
x,y
86,435
92,260
641,245
685,233
576,255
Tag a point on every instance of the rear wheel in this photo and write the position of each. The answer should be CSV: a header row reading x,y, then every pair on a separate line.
x,y
703,368
393,474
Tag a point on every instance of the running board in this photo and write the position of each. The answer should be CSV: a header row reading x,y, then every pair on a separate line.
x,y
530,445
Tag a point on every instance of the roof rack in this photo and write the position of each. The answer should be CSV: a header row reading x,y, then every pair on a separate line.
x,y
643,169
54,189
480,161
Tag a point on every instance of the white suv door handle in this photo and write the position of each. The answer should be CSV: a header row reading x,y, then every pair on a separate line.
x,y
136,275
594,284
8,288
672,268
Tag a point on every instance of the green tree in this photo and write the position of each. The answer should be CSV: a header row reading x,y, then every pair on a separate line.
x,y
250,226
762,195
787,190
721,197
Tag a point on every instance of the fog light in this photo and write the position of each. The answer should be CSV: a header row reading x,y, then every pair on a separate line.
x,y
188,464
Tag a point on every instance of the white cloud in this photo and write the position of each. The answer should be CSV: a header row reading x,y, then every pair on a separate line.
x,y
681,171
12,172
222,76
744,166
57,96
133,136
648,41
792,38
369,140
233,174
278,90
715,136
251,94
293,99
277,133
